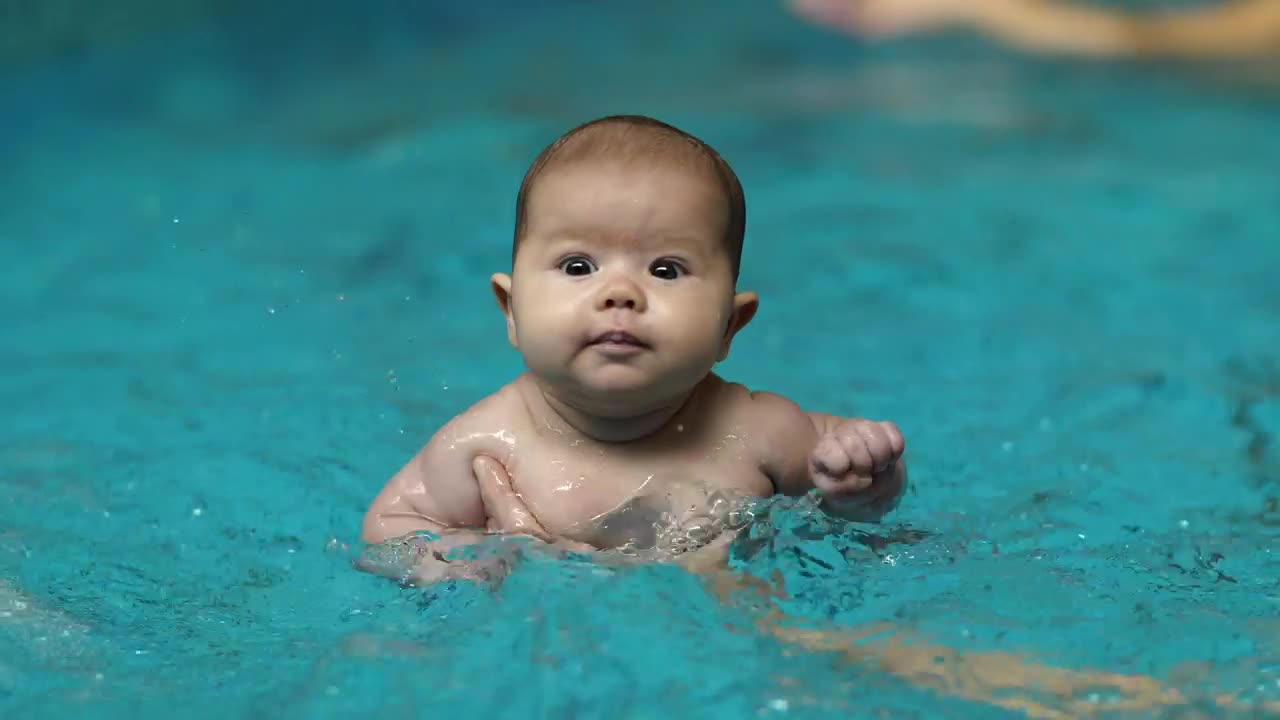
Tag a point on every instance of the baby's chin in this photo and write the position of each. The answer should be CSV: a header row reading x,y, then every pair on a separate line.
x,y
620,395
621,401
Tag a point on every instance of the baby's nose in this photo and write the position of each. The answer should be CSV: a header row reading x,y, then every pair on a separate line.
x,y
622,294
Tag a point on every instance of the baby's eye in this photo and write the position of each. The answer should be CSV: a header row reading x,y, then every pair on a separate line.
x,y
666,269
577,266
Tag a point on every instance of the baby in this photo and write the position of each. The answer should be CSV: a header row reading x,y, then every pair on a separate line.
x,y
621,299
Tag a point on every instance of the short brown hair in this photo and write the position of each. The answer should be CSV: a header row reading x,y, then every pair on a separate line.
x,y
637,137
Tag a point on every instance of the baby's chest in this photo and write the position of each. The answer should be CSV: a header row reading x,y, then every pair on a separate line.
x,y
608,499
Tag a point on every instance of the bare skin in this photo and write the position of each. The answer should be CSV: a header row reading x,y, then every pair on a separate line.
x,y
581,493
1230,29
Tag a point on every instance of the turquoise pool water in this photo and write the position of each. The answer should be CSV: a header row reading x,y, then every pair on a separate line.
x,y
244,277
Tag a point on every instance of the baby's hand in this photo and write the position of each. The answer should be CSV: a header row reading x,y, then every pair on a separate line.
x,y
856,456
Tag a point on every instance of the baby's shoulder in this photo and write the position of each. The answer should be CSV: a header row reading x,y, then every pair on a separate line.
x,y
740,405
736,399
777,430
490,423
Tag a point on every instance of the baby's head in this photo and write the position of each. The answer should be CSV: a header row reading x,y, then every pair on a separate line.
x,y
637,143
625,260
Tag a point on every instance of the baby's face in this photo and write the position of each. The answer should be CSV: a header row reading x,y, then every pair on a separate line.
x,y
622,291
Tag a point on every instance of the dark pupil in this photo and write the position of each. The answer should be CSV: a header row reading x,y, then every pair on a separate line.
x,y
666,272
577,267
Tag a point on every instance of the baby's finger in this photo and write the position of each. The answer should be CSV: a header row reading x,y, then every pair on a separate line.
x,y
877,442
829,457
845,485
896,441
855,445
503,506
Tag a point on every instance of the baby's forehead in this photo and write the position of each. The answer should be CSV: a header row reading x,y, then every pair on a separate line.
x,y
571,228
621,204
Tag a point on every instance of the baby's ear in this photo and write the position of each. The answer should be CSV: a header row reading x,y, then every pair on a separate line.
x,y
745,305
500,283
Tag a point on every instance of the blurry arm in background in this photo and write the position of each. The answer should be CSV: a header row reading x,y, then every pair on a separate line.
x,y
998,679
1233,28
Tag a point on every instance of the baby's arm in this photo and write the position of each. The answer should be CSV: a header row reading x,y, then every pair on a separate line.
x,y
856,464
437,491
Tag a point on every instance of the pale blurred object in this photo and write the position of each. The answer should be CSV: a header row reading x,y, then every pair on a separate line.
x,y
1231,29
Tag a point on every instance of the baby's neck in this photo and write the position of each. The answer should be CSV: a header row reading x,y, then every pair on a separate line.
x,y
566,415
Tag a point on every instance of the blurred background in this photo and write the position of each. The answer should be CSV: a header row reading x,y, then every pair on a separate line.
x,y
244,251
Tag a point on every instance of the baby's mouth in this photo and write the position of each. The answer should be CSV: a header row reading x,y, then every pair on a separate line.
x,y
619,338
